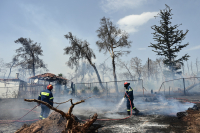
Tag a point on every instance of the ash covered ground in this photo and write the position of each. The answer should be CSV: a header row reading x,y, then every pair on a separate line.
x,y
156,116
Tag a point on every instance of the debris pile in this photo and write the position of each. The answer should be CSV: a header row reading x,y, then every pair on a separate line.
x,y
59,122
181,114
192,119
54,123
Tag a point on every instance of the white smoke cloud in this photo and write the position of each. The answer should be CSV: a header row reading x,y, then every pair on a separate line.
x,y
131,23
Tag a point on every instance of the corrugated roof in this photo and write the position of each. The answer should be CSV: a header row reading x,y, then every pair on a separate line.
x,y
47,75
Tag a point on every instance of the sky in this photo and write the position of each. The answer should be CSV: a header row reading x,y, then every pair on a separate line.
x,y
47,21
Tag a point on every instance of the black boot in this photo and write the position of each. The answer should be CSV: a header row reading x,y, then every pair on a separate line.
x,y
128,112
136,111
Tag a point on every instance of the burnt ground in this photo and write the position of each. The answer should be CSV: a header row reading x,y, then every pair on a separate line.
x,y
12,109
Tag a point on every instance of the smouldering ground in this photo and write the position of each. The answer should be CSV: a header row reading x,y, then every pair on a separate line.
x,y
157,116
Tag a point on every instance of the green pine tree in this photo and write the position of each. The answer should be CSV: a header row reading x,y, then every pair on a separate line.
x,y
168,41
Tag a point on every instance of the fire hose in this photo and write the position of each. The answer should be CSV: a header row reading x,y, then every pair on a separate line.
x,y
19,120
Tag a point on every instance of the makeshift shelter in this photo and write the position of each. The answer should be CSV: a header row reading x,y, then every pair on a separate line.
x,y
60,83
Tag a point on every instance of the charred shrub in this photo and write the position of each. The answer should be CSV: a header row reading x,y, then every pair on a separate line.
x,y
96,90
83,91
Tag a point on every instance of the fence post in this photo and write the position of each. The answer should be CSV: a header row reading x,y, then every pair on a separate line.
x,y
74,91
164,89
169,90
143,92
184,86
107,89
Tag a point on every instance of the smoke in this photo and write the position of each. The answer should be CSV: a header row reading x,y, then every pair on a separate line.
x,y
13,109
113,108
104,107
162,106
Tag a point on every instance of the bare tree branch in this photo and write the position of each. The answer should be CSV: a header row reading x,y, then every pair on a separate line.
x,y
72,126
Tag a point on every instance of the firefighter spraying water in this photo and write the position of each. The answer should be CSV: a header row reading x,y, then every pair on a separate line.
x,y
130,98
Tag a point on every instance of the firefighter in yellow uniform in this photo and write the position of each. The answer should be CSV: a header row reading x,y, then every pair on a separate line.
x,y
46,96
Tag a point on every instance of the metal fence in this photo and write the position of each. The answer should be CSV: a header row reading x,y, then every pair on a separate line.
x,y
110,88
181,86
26,90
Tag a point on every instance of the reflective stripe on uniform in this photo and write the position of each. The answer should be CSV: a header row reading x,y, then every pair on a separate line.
x,y
45,93
129,90
43,118
133,107
40,116
128,110
51,98
39,95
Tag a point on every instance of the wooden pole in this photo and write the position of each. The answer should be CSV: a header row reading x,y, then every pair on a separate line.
x,y
184,86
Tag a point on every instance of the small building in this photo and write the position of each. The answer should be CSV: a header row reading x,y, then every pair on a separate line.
x,y
59,83
16,88
10,88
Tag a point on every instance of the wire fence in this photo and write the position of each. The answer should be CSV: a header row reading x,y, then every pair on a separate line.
x,y
111,88
181,86
26,90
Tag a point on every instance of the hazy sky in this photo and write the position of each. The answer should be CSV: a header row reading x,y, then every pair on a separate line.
x,y
47,21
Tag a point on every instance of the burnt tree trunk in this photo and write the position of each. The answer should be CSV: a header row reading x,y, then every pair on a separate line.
x,y
98,76
114,74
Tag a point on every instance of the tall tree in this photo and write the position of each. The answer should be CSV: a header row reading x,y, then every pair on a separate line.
x,y
127,66
2,67
29,54
111,40
197,64
84,69
136,64
160,64
104,69
80,50
10,65
188,68
60,75
169,40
